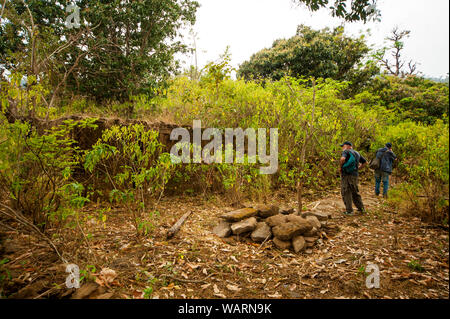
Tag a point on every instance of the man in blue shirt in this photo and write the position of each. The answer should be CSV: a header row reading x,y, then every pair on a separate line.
x,y
387,158
351,161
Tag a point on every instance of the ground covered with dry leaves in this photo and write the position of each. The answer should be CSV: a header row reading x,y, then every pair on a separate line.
x,y
412,256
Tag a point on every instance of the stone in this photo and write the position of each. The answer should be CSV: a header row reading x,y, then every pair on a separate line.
x,y
310,239
313,232
244,226
223,229
309,245
266,211
321,216
314,221
289,230
276,220
282,244
298,243
261,232
85,290
285,210
296,219
240,214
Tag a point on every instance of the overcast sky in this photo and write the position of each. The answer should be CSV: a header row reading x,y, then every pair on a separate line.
x,y
247,26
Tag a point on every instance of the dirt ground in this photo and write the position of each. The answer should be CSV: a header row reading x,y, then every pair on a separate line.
x,y
412,256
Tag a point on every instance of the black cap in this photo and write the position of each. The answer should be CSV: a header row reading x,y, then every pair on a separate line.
x,y
388,145
346,143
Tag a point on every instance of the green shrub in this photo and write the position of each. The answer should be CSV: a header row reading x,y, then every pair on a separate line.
x,y
36,169
130,161
423,164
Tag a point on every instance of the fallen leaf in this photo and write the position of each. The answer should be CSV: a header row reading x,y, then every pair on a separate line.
x,y
106,277
233,288
216,290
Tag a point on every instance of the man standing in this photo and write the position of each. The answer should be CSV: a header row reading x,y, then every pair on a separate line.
x,y
386,157
351,161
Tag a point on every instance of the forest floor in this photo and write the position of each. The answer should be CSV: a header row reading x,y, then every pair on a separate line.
x,y
412,256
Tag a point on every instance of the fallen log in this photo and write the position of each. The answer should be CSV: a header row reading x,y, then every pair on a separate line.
x,y
176,227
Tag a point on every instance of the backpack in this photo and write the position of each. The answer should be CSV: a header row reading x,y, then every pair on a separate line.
x,y
350,166
375,163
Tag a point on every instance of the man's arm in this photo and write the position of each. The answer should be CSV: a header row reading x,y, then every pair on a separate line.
x,y
342,161
362,162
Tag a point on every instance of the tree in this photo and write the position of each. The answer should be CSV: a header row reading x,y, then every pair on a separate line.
x,y
355,10
412,97
312,53
122,48
397,67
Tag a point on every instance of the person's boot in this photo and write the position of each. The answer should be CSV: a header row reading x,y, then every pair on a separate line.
x,y
348,213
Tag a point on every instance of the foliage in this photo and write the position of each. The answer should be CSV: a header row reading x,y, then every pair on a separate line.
x,y
36,169
130,160
415,266
122,47
423,161
358,10
412,97
317,53
232,104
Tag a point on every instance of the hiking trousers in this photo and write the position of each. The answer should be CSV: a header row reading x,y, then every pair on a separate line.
x,y
350,193
381,177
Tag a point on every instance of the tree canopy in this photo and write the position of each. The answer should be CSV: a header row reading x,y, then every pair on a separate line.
x,y
319,53
122,47
355,10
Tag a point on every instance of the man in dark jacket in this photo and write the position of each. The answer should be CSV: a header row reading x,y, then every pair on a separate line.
x,y
351,161
387,158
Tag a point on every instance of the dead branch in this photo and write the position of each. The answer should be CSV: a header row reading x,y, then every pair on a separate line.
x,y
176,227
11,213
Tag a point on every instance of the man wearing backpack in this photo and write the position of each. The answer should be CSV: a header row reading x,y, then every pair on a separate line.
x,y
351,161
383,168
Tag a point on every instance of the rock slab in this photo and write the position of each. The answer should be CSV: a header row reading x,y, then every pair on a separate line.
x,y
240,214
314,221
223,229
281,243
244,226
289,230
266,211
276,220
321,216
261,232
298,243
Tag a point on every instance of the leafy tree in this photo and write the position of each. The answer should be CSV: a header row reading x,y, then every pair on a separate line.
x,y
122,47
355,10
318,53
412,97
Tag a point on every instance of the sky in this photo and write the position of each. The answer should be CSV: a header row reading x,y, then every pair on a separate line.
x,y
248,26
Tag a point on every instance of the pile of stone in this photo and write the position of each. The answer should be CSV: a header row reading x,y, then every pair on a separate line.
x,y
284,226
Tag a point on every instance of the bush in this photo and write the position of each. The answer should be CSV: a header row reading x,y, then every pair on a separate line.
x,y
35,169
423,153
129,160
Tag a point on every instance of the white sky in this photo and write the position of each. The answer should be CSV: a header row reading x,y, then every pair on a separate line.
x,y
247,26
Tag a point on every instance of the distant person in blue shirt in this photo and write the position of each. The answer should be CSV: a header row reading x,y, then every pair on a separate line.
x,y
387,158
